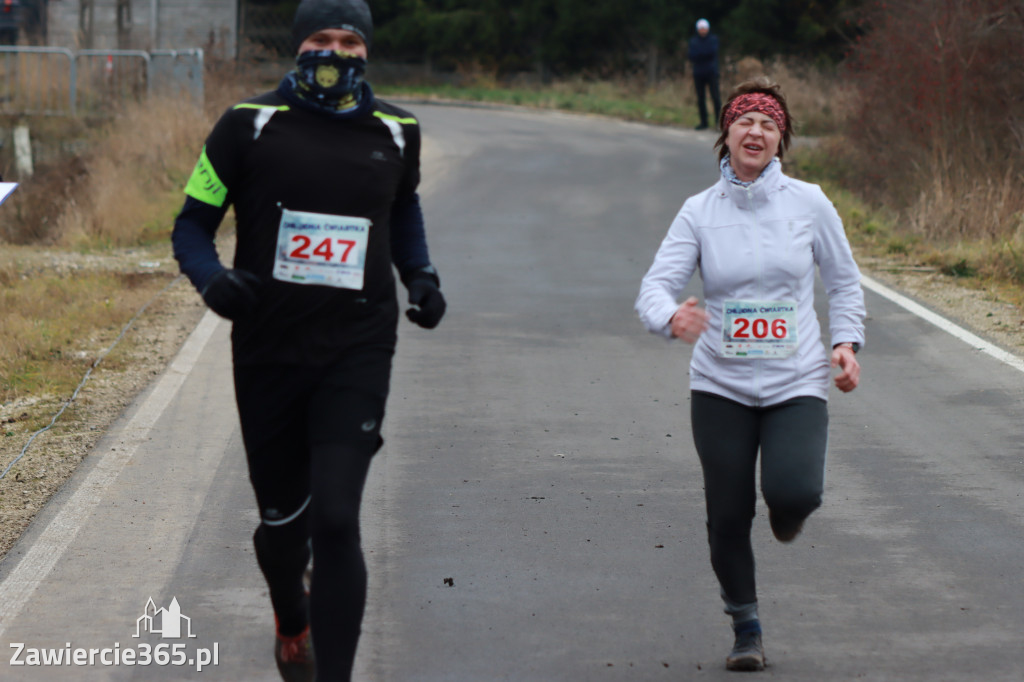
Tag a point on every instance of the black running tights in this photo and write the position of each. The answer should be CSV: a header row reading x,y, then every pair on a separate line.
x,y
310,435
792,438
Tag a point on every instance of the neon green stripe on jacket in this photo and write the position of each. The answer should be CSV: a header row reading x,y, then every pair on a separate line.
x,y
396,119
247,105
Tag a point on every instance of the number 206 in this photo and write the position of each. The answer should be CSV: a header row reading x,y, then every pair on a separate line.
x,y
759,328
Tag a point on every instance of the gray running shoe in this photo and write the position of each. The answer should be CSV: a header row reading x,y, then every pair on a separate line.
x,y
747,653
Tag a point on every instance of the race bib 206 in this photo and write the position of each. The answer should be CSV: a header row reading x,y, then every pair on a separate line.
x,y
759,329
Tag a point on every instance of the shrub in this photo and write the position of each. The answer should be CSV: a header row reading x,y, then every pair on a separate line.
x,y
938,128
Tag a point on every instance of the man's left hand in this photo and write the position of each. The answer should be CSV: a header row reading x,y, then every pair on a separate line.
x,y
425,293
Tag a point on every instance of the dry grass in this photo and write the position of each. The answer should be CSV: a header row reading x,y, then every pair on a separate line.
x,y
134,175
114,181
88,229
57,318
958,205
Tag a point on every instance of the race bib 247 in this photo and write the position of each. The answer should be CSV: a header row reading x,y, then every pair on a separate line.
x,y
316,248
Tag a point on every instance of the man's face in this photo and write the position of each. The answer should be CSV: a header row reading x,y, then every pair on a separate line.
x,y
337,39
703,32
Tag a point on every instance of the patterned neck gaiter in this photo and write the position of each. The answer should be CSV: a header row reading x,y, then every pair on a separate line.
x,y
330,80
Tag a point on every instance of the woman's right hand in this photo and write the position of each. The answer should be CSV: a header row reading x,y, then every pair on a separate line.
x,y
689,321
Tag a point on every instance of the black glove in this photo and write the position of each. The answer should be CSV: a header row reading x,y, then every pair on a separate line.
x,y
424,292
233,294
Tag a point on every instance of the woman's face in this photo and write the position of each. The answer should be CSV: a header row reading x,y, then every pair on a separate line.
x,y
753,141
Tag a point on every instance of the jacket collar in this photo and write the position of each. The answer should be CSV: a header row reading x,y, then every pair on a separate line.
x,y
757,192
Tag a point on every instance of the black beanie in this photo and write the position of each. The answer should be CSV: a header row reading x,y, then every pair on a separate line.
x,y
315,15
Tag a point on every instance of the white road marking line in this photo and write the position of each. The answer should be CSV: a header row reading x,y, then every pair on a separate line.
x,y
17,588
944,324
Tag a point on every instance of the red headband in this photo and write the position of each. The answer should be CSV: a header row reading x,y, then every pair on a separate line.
x,y
760,102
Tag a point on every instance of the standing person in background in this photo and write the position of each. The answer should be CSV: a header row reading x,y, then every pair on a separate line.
x,y
703,54
323,178
759,374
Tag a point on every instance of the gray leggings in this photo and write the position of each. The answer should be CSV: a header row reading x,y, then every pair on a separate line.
x,y
792,437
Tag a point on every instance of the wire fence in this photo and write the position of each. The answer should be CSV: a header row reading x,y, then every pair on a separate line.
x,y
57,81
265,28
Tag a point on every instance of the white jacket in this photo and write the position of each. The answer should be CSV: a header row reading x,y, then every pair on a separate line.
x,y
762,243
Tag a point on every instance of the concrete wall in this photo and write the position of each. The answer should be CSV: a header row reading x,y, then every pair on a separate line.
x,y
155,24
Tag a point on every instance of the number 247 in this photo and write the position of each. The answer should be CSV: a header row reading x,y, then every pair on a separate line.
x,y
325,249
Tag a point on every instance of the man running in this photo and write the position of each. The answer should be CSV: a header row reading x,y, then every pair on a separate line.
x,y
323,178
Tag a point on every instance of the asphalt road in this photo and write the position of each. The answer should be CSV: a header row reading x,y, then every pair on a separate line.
x,y
537,511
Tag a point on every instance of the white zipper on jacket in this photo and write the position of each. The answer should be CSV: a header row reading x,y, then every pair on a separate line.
x,y
758,363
